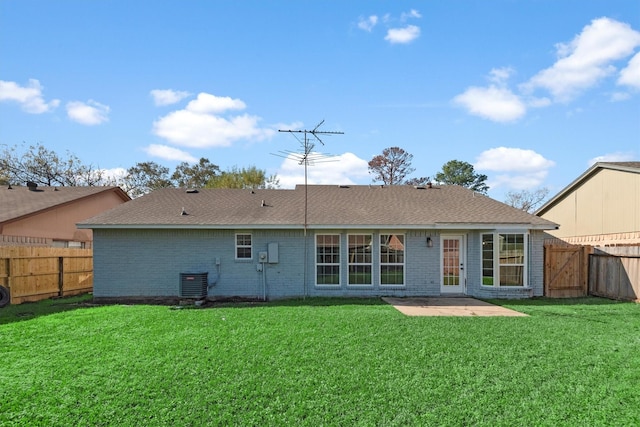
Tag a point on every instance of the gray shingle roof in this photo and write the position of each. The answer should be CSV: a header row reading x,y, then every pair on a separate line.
x,y
327,206
18,202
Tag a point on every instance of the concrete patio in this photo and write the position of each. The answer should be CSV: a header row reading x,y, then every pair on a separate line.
x,y
449,306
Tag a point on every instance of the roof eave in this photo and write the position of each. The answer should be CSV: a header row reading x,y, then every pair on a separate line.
x,y
585,175
436,226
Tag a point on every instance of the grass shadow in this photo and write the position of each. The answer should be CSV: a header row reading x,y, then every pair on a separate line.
x,y
544,301
32,310
296,302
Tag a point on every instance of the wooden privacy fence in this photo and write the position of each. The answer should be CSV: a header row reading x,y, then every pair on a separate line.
x,y
614,276
566,270
36,273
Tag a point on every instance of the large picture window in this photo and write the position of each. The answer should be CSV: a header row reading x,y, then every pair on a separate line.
x,y
328,259
392,259
243,246
504,259
360,259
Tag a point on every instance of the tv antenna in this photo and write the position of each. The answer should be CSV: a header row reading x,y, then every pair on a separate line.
x,y
307,157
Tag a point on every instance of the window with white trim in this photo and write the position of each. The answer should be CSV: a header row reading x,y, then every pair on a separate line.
x,y
243,246
328,259
392,259
504,259
360,261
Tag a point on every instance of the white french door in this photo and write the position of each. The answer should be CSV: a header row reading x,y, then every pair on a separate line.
x,y
452,264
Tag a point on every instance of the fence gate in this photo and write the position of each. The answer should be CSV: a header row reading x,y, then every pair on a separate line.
x,y
566,270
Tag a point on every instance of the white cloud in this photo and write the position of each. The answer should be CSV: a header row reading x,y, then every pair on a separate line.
x,y
168,96
538,102
115,175
516,168
367,24
617,156
169,153
512,159
619,96
346,169
499,76
402,35
587,59
90,113
207,103
630,76
201,125
494,103
411,14
29,97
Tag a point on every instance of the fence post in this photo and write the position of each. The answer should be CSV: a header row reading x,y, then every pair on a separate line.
x,y
60,276
9,279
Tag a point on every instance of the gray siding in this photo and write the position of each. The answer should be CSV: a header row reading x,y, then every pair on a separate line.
x,y
148,263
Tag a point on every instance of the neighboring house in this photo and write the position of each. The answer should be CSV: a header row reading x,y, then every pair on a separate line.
x,y
600,208
47,216
325,241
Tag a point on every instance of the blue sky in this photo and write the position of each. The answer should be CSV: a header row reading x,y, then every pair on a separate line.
x,y
531,92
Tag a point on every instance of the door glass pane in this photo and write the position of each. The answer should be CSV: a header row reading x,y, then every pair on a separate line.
x,y
451,262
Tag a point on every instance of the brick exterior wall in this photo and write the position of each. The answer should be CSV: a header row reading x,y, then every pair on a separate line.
x,y
132,264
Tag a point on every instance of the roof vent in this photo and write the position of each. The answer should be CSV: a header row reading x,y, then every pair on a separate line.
x,y
192,191
343,186
184,212
32,185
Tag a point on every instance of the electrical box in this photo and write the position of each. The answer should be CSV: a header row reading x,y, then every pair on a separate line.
x,y
262,256
273,253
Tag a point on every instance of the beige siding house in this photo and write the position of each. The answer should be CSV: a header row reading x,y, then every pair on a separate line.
x,y
47,216
599,208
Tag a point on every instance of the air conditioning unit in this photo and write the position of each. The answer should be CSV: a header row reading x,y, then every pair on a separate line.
x,y
193,285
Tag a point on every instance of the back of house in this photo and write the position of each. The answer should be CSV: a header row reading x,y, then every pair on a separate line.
x,y
317,241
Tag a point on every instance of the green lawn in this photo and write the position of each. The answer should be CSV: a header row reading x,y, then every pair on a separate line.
x,y
319,362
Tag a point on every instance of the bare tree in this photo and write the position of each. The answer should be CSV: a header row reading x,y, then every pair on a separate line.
x,y
423,180
145,177
45,167
526,200
392,166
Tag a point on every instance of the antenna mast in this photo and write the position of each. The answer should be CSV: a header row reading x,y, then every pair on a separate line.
x,y
306,157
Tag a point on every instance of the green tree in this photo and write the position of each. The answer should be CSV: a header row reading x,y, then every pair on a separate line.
x,y
392,166
46,167
196,175
462,173
250,177
145,177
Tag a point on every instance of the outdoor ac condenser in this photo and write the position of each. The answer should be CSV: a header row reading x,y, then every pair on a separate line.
x,y
193,285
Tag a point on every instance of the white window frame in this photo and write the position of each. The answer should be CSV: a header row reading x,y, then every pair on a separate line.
x,y
382,264
332,264
497,265
356,264
244,246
